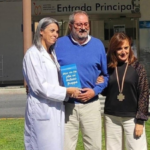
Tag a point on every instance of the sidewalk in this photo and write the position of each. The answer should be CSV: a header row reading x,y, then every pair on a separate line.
x,y
12,101
12,90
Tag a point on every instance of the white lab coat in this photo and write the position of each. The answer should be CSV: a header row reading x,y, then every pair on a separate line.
x,y
44,116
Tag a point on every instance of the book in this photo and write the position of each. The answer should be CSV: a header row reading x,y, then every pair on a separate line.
x,y
70,76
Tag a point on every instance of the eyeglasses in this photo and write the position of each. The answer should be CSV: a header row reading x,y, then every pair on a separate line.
x,y
79,25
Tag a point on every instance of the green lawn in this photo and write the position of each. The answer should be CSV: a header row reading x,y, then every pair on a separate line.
x,y
11,135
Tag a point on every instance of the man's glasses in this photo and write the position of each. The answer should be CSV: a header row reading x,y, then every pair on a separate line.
x,y
79,25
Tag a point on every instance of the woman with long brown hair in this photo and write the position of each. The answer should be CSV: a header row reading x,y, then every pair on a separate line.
x,y
127,97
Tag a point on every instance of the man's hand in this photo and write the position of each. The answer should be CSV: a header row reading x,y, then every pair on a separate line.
x,y
100,79
27,90
138,130
86,94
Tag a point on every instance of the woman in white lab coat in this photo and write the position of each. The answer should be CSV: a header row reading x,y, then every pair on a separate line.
x,y
44,115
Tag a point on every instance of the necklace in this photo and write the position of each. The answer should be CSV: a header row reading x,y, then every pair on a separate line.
x,y
121,96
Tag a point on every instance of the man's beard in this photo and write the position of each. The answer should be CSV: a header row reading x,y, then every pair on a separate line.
x,y
77,35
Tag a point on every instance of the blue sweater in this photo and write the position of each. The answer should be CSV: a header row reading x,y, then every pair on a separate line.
x,y
89,58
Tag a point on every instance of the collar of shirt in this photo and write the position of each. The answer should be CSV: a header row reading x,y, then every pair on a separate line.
x,y
42,49
89,38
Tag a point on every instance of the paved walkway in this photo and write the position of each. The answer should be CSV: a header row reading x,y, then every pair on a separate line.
x,y
12,102
12,90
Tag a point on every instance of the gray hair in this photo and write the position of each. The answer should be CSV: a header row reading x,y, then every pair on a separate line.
x,y
71,17
43,23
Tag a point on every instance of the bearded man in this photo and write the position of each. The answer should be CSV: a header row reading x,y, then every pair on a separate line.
x,y
88,53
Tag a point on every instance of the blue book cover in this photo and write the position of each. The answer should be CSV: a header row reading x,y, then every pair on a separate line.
x,y
70,76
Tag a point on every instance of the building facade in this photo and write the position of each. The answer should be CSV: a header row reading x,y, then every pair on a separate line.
x,y
106,18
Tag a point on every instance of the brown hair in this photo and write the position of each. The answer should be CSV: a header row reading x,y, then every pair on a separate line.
x,y
116,42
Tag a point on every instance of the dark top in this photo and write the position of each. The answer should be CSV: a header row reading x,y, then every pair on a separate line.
x,y
136,91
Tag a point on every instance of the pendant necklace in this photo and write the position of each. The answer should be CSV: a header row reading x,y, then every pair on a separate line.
x,y
121,96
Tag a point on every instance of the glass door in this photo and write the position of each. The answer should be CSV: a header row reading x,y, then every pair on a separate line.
x,y
127,25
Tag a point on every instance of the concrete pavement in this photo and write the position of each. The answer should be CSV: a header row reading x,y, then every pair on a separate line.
x,y
12,90
12,102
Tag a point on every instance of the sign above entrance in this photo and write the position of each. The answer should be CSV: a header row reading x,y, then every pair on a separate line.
x,y
94,6
119,28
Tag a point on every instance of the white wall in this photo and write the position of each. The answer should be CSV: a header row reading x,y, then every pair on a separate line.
x,y
145,16
144,36
11,40
97,25
145,9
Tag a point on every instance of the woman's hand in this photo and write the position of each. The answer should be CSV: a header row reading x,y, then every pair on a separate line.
x,y
138,130
73,92
100,79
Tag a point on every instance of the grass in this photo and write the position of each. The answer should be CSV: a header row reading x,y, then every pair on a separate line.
x,y
11,135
